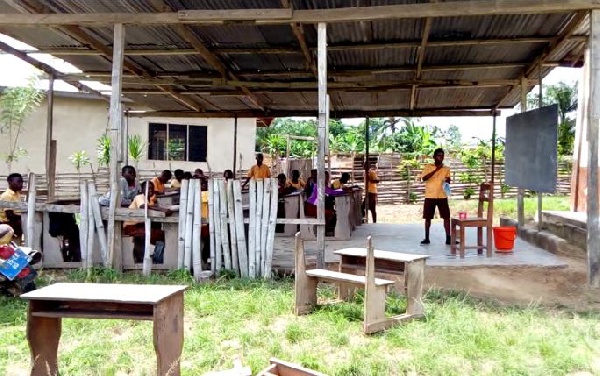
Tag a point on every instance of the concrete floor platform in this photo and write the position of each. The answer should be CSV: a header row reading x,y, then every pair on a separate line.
x,y
405,238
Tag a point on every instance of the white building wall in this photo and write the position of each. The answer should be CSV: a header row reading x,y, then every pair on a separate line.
x,y
78,123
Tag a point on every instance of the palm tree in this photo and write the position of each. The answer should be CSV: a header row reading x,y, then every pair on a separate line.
x,y
565,96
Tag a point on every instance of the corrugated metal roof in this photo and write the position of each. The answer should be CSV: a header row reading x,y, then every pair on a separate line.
x,y
292,66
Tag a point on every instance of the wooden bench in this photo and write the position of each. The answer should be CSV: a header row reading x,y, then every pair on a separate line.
x,y
49,305
408,266
306,282
282,368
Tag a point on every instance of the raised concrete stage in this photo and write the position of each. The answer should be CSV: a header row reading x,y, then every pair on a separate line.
x,y
405,238
570,226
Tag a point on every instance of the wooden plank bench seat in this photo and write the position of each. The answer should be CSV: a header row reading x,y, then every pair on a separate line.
x,y
306,281
338,277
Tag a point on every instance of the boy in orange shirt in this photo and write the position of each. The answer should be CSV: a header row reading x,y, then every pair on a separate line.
x,y
435,175
258,171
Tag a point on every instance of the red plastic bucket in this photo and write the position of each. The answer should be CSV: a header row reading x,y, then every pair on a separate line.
x,y
504,238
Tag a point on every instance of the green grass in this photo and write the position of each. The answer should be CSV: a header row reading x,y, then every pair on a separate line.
x,y
253,320
508,207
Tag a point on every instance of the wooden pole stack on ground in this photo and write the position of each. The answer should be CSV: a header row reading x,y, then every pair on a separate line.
x,y
95,209
196,229
255,258
147,263
83,224
182,219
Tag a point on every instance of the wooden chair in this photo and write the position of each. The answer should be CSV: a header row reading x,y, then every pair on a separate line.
x,y
483,219
306,281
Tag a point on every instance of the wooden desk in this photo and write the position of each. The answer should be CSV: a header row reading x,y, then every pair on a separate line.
x,y
292,211
168,199
162,304
343,211
412,267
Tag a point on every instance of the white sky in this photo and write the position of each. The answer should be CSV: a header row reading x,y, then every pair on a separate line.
x,y
15,72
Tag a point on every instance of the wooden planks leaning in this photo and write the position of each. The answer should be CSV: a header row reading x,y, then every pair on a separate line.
x,y
254,258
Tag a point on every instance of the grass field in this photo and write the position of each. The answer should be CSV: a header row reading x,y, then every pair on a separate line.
x,y
253,321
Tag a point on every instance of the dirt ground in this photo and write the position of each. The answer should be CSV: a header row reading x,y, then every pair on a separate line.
x,y
555,287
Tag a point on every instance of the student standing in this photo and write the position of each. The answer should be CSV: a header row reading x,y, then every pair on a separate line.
x,y
435,175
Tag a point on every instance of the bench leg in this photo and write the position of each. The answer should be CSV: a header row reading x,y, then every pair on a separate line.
x,y
453,237
374,315
306,293
43,334
414,275
168,335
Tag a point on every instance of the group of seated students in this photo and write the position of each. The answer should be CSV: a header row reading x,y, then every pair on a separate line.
x,y
133,196
337,188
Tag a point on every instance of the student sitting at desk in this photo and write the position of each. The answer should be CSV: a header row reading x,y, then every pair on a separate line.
x,y
341,182
160,181
13,194
137,230
296,181
128,187
176,181
310,207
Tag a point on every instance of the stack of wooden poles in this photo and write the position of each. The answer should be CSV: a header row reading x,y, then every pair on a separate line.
x,y
189,246
90,225
229,249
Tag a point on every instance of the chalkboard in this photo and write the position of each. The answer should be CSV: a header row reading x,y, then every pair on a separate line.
x,y
530,153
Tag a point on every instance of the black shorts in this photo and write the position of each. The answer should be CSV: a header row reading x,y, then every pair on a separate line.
x,y
431,203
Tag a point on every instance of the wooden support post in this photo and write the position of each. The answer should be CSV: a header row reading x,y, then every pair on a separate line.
x,y
217,226
50,153
31,193
539,194
235,134
521,191
322,140
366,169
593,223
116,120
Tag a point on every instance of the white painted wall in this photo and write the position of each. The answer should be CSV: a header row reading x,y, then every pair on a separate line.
x,y
78,123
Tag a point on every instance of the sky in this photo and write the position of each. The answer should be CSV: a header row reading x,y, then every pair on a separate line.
x,y
15,72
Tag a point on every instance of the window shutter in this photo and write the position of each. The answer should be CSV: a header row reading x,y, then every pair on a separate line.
x,y
197,144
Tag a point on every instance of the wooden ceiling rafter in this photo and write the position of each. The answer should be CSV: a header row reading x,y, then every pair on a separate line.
x,y
170,51
47,69
420,59
556,44
83,37
281,16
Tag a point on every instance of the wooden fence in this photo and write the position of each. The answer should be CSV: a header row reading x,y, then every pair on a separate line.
x,y
397,185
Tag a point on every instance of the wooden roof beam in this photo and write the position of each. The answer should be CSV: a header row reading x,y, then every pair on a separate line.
x,y
306,16
47,69
420,59
556,44
167,51
298,31
336,114
80,35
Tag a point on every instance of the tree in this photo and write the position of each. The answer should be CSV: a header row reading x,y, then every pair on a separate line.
x,y
453,138
565,96
16,103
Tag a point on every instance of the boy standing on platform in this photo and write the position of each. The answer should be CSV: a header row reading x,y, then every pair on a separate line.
x,y
435,175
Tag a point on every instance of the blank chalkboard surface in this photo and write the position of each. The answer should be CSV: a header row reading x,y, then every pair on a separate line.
x,y
531,153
